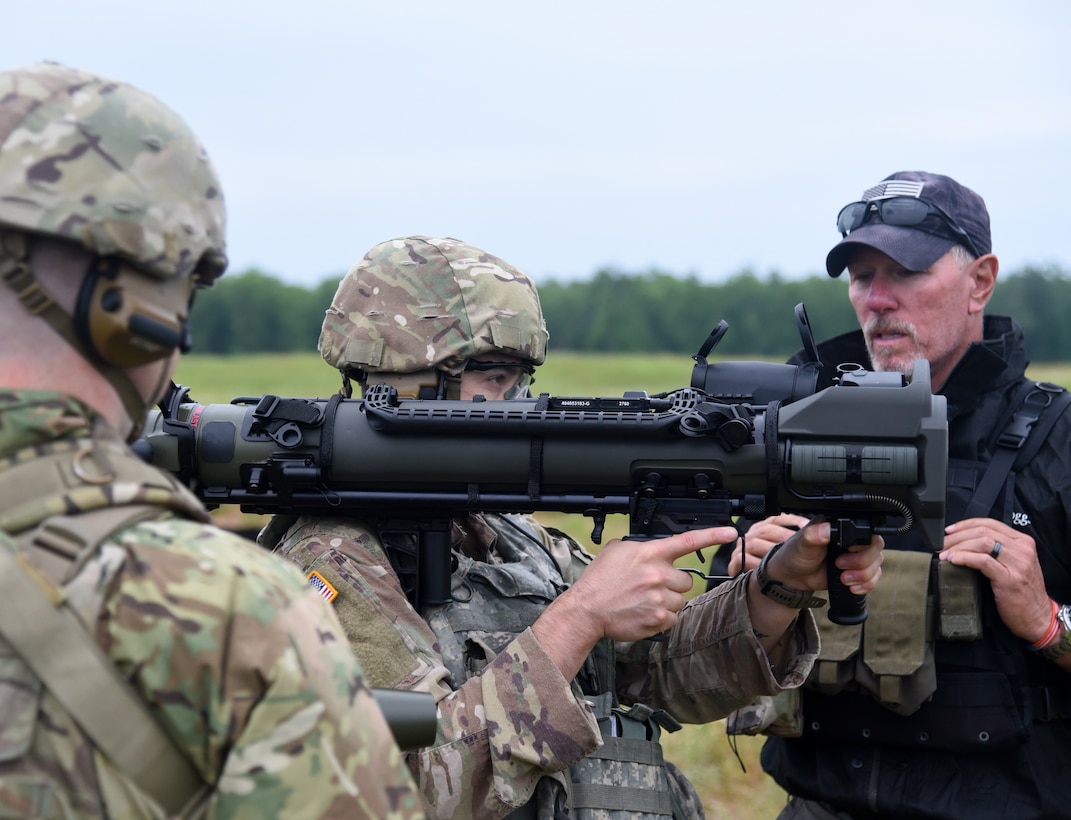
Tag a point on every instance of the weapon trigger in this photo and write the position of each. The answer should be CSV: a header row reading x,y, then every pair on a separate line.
x,y
598,524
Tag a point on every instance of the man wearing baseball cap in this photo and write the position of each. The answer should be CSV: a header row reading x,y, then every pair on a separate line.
x,y
953,700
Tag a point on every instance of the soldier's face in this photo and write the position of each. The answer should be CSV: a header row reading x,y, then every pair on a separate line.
x,y
493,384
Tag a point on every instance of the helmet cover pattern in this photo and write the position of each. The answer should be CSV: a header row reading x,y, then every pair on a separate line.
x,y
419,303
103,164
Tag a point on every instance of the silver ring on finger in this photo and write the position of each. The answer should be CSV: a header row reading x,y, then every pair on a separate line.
x,y
997,547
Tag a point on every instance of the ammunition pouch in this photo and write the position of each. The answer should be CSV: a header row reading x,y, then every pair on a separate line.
x,y
628,773
960,612
890,655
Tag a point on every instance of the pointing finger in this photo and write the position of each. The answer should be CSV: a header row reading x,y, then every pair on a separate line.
x,y
679,545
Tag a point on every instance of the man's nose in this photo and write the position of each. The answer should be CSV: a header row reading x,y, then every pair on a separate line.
x,y
881,297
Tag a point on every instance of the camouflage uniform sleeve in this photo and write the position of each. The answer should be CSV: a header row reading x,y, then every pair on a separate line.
x,y
251,674
711,662
500,732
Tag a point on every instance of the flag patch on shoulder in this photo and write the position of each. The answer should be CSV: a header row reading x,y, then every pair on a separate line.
x,y
322,586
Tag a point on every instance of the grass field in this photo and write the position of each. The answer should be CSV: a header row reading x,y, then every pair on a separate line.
x,y
216,379
702,752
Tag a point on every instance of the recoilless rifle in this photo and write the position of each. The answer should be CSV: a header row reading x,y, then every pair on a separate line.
x,y
744,441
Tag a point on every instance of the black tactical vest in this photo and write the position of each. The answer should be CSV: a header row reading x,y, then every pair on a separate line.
x,y
991,691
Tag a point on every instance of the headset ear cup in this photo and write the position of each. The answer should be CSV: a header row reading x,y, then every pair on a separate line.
x,y
129,319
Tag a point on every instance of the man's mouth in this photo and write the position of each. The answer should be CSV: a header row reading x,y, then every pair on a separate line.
x,y
887,336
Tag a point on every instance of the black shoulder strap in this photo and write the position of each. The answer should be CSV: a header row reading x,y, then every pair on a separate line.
x,y
1020,440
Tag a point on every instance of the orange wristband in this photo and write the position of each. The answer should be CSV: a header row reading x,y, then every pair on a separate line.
x,y
1052,634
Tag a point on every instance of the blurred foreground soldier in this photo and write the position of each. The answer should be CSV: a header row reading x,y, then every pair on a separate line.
x,y
151,664
953,700
543,715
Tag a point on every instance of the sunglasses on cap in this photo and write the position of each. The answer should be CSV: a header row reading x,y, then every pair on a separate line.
x,y
525,374
901,211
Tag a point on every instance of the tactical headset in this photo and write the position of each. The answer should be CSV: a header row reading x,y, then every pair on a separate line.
x,y
130,319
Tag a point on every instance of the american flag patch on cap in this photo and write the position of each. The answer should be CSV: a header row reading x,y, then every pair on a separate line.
x,y
894,187
321,585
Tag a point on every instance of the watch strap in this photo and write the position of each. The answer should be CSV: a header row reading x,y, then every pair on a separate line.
x,y
786,596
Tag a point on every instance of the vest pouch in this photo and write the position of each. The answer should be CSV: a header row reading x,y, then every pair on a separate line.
x,y
897,666
835,667
20,693
27,789
626,775
960,609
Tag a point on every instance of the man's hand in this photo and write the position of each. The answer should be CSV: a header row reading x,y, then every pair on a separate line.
x,y
630,591
761,537
632,588
1013,571
801,562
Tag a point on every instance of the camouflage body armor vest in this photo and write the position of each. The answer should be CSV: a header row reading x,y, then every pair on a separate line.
x,y
75,738
627,777
926,614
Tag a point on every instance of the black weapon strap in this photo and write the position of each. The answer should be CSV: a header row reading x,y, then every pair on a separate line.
x,y
1038,411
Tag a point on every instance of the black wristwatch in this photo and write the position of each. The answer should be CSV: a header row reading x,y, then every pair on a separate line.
x,y
1063,646
786,596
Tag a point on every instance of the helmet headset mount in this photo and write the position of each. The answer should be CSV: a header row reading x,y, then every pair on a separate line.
x,y
122,317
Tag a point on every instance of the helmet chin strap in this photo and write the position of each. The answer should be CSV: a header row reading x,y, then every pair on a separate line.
x,y
16,273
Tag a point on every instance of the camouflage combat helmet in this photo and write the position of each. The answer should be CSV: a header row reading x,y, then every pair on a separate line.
x,y
422,304
96,162
108,166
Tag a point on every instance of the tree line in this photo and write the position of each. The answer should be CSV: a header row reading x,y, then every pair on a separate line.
x,y
615,311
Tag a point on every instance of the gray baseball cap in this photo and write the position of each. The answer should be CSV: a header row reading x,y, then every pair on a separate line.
x,y
915,218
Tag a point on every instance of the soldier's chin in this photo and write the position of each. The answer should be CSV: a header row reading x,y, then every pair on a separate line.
x,y
891,362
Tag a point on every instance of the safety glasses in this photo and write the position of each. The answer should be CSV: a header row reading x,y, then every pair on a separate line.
x,y
902,211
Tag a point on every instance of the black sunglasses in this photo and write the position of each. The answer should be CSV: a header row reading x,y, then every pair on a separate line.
x,y
902,211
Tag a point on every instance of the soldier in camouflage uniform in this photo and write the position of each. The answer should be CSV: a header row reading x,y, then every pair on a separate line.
x,y
543,715
151,665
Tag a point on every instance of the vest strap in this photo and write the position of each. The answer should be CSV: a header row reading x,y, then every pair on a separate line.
x,y
621,798
76,672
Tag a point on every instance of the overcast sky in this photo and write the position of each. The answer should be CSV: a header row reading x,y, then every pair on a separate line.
x,y
696,136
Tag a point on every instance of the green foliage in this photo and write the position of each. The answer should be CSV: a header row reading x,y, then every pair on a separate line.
x,y
252,312
652,312
655,312
1040,298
